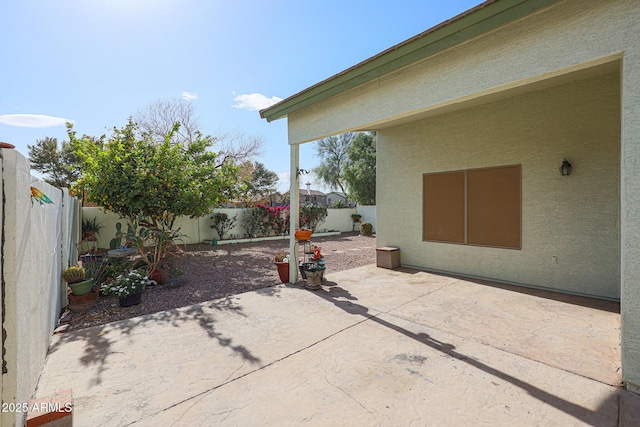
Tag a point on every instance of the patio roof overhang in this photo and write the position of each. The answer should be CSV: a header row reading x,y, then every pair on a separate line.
x,y
474,22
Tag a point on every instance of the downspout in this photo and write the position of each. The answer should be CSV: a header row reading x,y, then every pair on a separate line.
x,y
294,208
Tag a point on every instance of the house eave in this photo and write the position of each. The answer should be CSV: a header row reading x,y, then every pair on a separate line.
x,y
474,22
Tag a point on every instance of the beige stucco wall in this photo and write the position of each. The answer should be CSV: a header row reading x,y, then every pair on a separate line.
x,y
571,35
574,219
568,36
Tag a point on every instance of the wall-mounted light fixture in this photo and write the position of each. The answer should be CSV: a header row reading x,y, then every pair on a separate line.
x,y
566,168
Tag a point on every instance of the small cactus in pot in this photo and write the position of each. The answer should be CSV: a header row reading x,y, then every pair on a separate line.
x,y
73,274
77,281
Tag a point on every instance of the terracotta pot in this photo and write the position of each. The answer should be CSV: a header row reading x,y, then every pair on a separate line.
x,y
303,235
134,299
160,275
83,302
6,145
283,271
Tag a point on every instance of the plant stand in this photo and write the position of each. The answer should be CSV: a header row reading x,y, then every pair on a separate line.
x,y
311,271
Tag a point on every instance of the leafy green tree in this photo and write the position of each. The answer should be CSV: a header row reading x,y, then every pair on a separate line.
x,y
348,163
151,182
59,164
333,158
360,170
258,183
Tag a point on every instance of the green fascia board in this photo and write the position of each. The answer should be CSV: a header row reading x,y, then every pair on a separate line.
x,y
473,23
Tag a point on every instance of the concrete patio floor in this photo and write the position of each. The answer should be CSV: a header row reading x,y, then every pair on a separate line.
x,y
373,347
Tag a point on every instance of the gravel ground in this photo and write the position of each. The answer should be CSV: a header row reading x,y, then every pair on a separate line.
x,y
212,272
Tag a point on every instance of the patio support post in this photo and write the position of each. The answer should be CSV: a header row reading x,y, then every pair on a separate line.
x,y
294,207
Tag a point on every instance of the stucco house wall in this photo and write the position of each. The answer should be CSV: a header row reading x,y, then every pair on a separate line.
x,y
570,224
568,36
552,43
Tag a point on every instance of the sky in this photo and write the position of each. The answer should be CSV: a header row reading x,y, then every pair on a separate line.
x,y
95,63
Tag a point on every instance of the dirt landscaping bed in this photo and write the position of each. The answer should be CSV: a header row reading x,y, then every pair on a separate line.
x,y
212,272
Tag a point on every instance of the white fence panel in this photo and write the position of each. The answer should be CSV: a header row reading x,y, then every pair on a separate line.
x,y
31,269
368,214
197,230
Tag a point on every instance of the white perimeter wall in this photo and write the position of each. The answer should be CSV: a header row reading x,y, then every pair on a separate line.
x,y
32,257
197,230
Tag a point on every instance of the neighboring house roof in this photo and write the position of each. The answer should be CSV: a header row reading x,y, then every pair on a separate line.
x,y
303,191
485,17
337,193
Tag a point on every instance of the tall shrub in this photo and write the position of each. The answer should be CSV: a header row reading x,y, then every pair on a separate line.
x,y
253,221
312,215
222,223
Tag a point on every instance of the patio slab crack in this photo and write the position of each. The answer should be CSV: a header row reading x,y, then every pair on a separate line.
x,y
199,396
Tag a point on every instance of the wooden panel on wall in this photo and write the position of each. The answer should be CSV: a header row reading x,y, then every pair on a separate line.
x,y
443,207
494,207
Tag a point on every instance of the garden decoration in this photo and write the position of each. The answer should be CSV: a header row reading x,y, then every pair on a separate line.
x,y
39,196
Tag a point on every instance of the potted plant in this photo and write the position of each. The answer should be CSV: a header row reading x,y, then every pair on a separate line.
x,y
356,217
84,284
282,263
76,280
154,245
90,228
94,270
127,287
303,234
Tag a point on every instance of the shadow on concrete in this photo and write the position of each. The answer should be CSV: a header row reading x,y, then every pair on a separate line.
x,y
344,300
584,301
98,341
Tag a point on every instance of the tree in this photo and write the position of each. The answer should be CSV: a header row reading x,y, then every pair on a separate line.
x,y
360,170
333,158
59,165
348,163
137,177
158,119
258,183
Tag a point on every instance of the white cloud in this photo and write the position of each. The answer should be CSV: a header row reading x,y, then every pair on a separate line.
x,y
189,96
254,101
283,182
32,120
